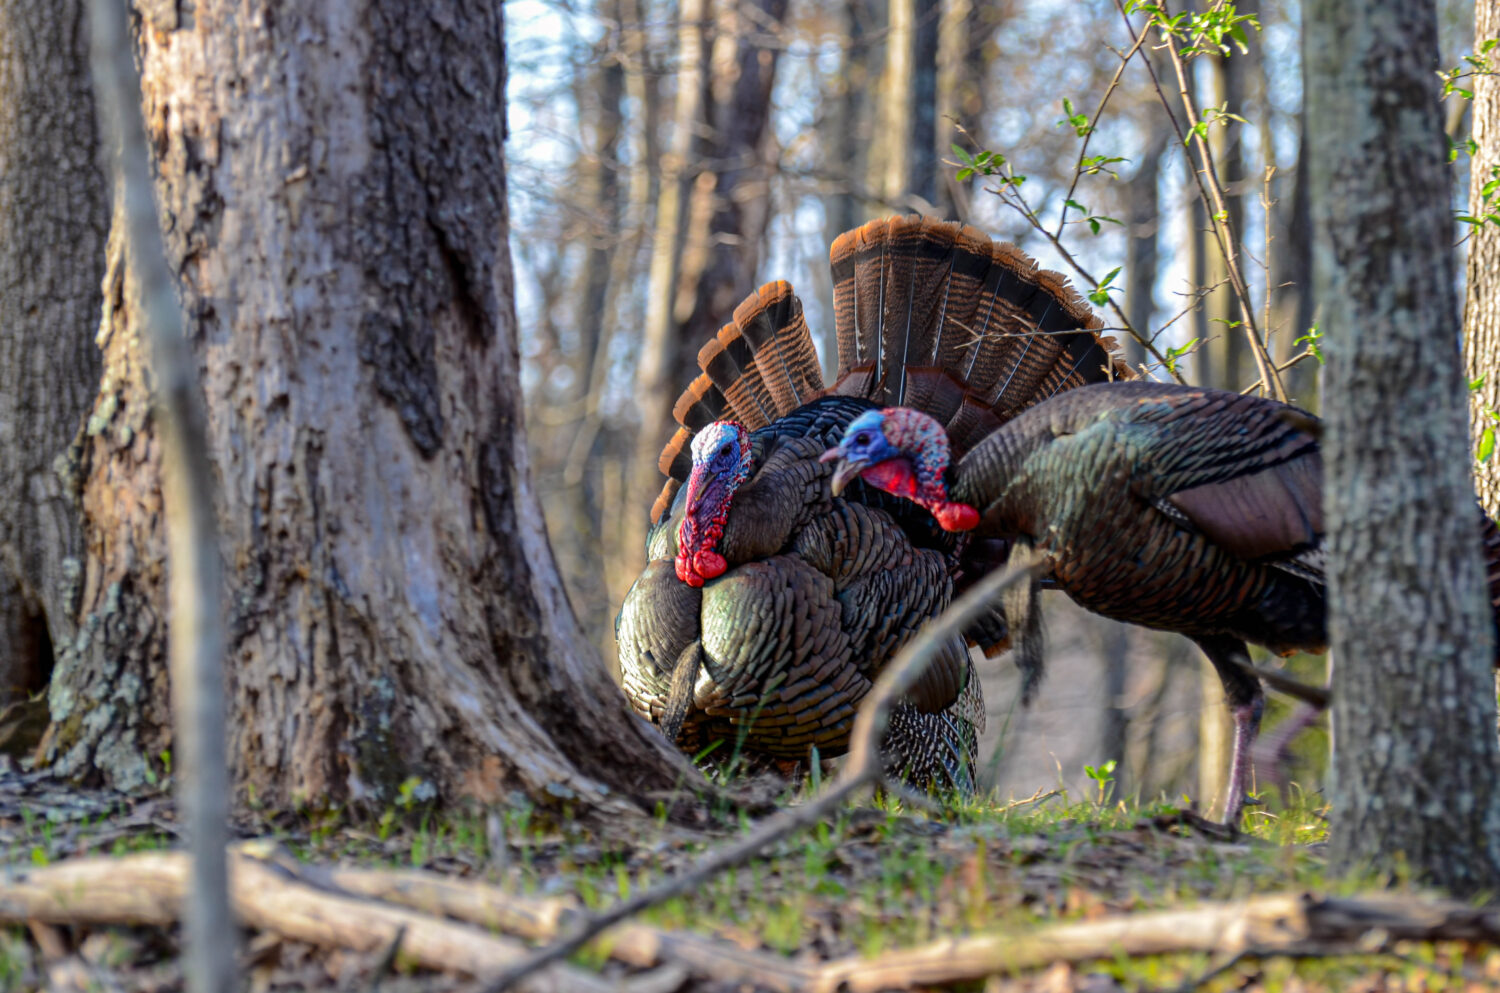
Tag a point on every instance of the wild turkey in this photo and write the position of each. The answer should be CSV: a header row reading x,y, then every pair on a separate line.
x,y
768,606
1184,509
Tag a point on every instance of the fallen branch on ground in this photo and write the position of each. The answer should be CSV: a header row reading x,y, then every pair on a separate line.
x,y
317,905
543,918
862,769
150,889
1279,924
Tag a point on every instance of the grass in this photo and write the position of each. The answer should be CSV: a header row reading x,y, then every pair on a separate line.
x,y
876,877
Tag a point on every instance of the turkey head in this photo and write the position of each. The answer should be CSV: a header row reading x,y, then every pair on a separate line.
x,y
721,462
905,453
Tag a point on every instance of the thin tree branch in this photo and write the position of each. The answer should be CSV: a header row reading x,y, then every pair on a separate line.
x,y
1093,123
1213,200
195,636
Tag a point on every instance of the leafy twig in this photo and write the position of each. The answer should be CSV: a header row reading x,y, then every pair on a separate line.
x,y
1210,191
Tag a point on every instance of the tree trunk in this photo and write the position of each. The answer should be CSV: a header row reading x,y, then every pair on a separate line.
x,y
726,246
1415,771
53,219
891,155
663,353
333,199
1482,305
925,180
847,97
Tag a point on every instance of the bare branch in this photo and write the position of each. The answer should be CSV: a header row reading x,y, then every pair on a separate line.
x,y
1211,193
195,635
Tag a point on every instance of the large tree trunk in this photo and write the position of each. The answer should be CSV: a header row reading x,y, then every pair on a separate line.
x,y
333,194
1482,306
1408,618
53,218
724,246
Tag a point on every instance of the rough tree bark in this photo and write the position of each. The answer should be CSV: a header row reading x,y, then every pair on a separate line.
x,y
1408,618
1482,304
332,194
53,219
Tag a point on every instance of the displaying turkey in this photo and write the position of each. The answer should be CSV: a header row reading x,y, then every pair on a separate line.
x,y
768,605
1174,507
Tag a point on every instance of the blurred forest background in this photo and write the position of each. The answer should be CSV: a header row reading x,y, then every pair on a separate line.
x,y
666,157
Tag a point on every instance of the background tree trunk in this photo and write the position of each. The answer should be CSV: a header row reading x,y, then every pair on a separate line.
x,y
1414,703
394,610
1482,304
53,220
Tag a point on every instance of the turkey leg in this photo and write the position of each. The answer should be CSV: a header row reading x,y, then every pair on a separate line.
x,y
1247,703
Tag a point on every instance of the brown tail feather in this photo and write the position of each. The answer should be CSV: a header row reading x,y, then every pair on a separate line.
x,y
759,367
913,293
785,359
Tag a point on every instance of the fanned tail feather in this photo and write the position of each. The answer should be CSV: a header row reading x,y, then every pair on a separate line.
x,y
935,315
760,366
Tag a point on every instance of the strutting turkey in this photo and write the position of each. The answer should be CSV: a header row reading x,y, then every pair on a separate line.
x,y
1174,507
769,606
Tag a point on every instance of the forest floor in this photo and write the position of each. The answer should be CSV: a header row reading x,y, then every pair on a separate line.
x,y
874,878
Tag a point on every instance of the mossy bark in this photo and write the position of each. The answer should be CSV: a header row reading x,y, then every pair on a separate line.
x,y
332,193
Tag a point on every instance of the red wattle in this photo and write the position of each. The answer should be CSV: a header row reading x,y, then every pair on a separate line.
x,y
956,516
685,572
709,564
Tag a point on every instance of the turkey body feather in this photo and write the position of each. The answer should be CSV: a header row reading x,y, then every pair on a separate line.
x,y
769,605
1173,507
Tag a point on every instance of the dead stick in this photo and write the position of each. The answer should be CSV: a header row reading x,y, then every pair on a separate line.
x,y
149,889
1276,924
541,919
862,769
195,632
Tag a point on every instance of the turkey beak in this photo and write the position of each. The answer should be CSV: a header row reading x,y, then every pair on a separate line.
x,y
845,472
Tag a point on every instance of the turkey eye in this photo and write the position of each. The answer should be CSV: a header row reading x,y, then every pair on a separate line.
x,y
724,452
862,439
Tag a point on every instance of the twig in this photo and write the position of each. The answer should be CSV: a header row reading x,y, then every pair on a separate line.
x,y
1042,795
151,888
1294,360
862,769
1299,925
1093,123
195,637
387,960
1213,200
1014,199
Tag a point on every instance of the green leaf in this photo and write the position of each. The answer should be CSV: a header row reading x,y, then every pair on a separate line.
x,y
1110,278
1486,445
964,174
963,156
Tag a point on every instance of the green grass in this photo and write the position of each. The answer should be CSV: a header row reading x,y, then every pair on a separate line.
x,y
880,876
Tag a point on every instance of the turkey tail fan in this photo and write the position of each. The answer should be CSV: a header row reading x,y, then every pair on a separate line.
x,y
935,315
760,366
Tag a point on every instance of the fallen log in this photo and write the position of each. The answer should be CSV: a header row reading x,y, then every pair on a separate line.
x,y
150,889
1264,926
